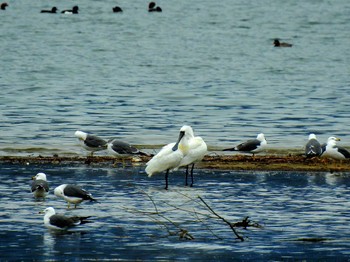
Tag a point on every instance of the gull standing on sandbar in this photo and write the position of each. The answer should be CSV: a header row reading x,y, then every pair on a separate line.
x,y
197,149
73,194
169,157
90,142
333,151
251,146
313,147
117,147
39,187
60,222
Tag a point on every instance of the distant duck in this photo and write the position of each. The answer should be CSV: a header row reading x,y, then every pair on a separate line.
x,y
117,9
74,10
313,147
52,11
277,43
3,6
334,151
251,146
152,7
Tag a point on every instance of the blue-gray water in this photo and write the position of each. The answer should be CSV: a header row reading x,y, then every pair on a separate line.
x,y
290,206
140,76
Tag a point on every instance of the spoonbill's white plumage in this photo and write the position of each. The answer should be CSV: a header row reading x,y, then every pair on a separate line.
x,y
251,146
195,152
60,222
40,186
90,142
313,147
169,157
333,151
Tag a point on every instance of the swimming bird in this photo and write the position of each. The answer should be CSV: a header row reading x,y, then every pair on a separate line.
x,y
90,142
169,157
3,6
313,147
117,147
117,9
39,187
60,222
197,149
74,10
73,194
251,146
334,151
152,7
277,43
52,11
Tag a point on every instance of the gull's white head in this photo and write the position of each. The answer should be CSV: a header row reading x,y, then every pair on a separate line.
x,y
333,138
40,176
261,137
312,136
59,190
81,135
49,211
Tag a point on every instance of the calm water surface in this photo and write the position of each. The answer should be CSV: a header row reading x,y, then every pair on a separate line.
x,y
290,207
140,76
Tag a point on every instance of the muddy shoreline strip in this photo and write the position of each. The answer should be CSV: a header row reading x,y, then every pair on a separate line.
x,y
220,162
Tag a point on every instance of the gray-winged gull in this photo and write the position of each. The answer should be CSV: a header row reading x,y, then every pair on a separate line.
x,y
73,194
169,157
60,222
313,147
117,147
90,142
195,153
334,151
251,146
40,186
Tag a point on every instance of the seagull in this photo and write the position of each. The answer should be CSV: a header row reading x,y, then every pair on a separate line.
x,y
117,147
73,194
74,10
169,157
313,147
334,151
39,187
277,43
195,153
61,222
251,146
90,142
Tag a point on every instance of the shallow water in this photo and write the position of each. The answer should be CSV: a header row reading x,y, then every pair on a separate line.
x,y
139,76
290,207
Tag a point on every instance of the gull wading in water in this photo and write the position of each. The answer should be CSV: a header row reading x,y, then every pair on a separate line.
x,y
90,142
170,156
251,146
55,221
196,151
73,194
331,150
39,187
313,147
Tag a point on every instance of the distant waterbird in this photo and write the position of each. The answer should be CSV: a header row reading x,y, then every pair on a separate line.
x,y
153,8
73,194
90,142
313,147
3,6
251,146
117,9
74,10
58,222
52,11
277,43
40,186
